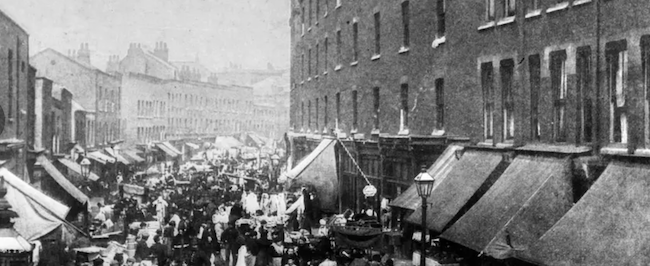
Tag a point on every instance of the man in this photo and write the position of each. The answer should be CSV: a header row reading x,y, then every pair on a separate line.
x,y
141,248
160,251
229,239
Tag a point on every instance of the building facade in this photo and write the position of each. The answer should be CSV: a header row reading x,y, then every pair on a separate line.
x,y
398,81
96,91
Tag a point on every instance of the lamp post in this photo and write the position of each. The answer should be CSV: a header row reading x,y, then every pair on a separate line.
x,y
424,182
85,168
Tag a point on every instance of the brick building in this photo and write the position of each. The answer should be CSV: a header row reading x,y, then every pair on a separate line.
x,y
526,83
96,91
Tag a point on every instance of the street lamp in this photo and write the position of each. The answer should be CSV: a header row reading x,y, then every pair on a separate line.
x,y
85,168
424,182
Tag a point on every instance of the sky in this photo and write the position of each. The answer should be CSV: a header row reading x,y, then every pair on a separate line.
x,y
251,33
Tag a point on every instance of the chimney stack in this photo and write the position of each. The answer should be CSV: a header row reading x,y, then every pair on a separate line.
x,y
113,65
83,55
161,51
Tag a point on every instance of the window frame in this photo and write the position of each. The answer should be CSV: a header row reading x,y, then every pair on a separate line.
x,y
355,41
584,95
355,110
377,18
645,68
440,104
406,21
441,6
507,72
487,86
618,107
490,13
376,106
560,89
404,106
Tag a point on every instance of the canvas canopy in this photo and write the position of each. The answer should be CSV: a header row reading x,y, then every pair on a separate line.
x,y
227,142
38,214
318,169
62,180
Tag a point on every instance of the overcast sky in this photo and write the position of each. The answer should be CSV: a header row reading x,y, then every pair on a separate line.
x,y
248,32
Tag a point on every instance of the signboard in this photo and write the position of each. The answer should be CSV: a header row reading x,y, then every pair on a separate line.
x,y
369,191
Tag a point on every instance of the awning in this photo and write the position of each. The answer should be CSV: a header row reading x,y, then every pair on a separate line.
x,y
100,157
62,180
318,169
77,168
111,152
410,199
129,154
38,213
530,196
167,150
608,226
227,142
466,177
192,145
171,147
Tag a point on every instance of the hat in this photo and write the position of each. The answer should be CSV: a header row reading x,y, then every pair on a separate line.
x,y
322,222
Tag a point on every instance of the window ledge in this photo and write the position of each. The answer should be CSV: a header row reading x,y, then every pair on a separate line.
x,y
438,41
534,13
403,49
506,21
614,150
438,133
581,2
325,73
375,57
558,7
308,79
302,82
338,67
338,6
354,63
316,77
507,144
404,132
326,13
486,143
309,29
487,25
316,23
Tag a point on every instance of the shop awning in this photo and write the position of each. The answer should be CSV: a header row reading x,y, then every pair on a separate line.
x,y
62,180
452,194
192,145
39,214
133,156
530,196
318,169
77,168
111,152
409,199
100,157
167,150
608,226
171,147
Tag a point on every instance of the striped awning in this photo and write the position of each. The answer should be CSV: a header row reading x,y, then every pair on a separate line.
x,y
167,150
111,152
100,157
77,168
60,179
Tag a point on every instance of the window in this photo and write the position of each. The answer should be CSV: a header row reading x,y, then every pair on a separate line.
x,y
309,14
405,23
509,8
535,82
339,44
616,53
489,10
532,5
316,111
355,111
302,21
375,93
355,42
377,33
560,93
317,59
325,48
404,110
440,104
507,77
440,10
327,6
325,111
487,84
309,125
338,109
583,75
338,3
302,115
318,9
309,62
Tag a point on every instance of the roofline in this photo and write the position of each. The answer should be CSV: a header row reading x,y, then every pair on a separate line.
x,y
13,21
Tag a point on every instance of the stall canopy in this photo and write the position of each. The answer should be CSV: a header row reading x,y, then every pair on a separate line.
x,y
409,199
133,155
38,214
171,147
167,150
318,169
451,195
77,168
532,194
227,142
62,180
192,145
100,157
608,226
